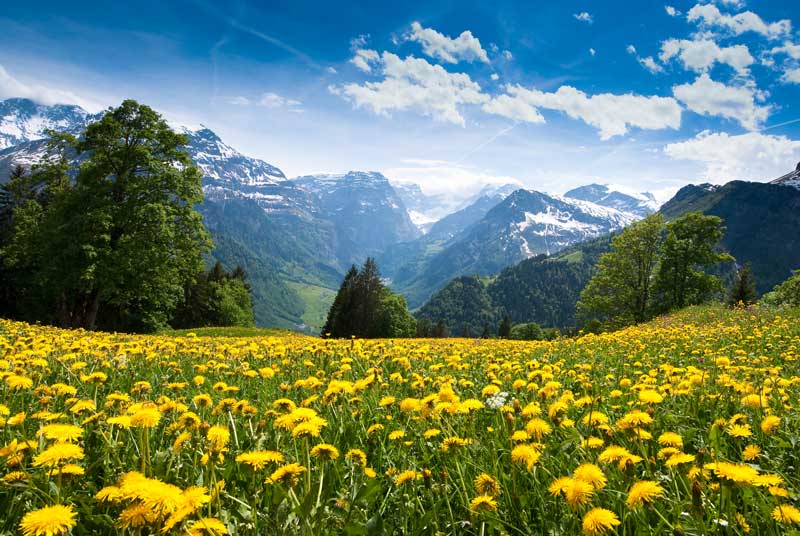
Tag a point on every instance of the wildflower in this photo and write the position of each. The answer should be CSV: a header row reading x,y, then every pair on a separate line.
x,y
58,454
644,491
146,418
751,452
48,521
218,438
61,432
680,458
577,492
786,514
486,485
451,443
483,503
525,454
286,474
356,456
650,397
670,439
769,424
406,476
589,472
742,474
598,521
739,430
207,526
324,451
538,428
259,459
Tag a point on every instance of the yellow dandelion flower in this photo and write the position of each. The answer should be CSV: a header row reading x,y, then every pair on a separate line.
x,y
751,452
146,418
58,454
786,514
48,521
598,521
644,491
770,424
589,472
408,475
260,458
324,451
286,474
486,485
483,503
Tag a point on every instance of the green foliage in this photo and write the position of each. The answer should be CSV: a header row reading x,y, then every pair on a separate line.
x,y
743,289
527,332
504,329
688,254
619,293
216,298
463,303
365,308
114,247
786,293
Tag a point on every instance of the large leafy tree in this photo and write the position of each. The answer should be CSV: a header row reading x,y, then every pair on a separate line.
x,y
619,292
120,235
688,255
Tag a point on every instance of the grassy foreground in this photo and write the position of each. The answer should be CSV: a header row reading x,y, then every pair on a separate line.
x,y
686,425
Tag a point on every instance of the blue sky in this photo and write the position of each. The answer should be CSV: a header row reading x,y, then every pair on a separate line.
x,y
648,95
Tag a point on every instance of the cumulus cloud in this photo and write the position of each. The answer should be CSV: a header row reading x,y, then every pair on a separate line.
x,y
465,47
671,11
611,114
750,156
792,76
788,48
709,16
648,63
707,97
414,84
584,17
364,58
13,87
495,76
592,51
701,54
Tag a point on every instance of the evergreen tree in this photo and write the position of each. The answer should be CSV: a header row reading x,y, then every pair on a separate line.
x,y
440,330
365,308
743,289
504,330
688,254
486,333
216,298
619,292
465,332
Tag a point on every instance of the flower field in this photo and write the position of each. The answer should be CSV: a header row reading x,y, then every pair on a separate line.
x,y
687,425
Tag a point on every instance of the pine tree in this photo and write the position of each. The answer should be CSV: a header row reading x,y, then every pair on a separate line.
x,y
743,289
338,324
504,330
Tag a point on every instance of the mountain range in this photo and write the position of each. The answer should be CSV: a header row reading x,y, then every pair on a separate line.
x,y
295,237
761,221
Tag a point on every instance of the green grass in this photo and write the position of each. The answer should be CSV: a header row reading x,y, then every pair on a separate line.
x,y
316,300
232,331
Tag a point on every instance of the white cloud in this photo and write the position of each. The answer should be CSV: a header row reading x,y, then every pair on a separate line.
x,y
750,156
239,101
788,48
611,114
701,54
359,42
495,76
363,58
671,11
12,87
648,63
457,180
465,47
584,17
331,70
707,97
273,100
592,51
792,76
508,55
414,84
267,100
709,16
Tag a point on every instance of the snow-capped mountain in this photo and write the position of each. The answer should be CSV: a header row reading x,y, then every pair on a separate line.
x,y
22,120
524,224
790,179
641,204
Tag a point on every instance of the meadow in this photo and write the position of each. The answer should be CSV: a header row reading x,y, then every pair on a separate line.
x,y
685,425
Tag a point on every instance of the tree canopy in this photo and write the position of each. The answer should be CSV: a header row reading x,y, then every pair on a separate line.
x,y
103,232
